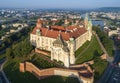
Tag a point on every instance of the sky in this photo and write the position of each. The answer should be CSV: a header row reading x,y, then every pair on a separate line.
x,y
58,3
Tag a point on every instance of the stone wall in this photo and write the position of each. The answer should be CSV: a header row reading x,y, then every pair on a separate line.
x,y
42,52
104,56
43,73
81,40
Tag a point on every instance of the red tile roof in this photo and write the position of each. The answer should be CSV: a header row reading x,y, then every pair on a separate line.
x,y
58,28
55,30
71,27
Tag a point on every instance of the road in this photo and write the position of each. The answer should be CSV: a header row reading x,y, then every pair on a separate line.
x,y
115,77
111,75
3,78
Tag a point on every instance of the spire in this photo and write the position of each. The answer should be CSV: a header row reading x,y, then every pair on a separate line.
x,y
86,20
90,22
38,21
60,38
86,16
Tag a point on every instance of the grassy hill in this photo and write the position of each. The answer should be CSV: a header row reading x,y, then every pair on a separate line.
x,y
92,51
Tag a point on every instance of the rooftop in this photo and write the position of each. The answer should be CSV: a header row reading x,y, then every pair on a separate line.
x,y
66,32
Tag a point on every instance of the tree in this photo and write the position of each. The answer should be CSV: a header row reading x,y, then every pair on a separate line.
x,y
0,27
9,53
22,48
108,43
17,50
3,45
60,23
70,23
26,47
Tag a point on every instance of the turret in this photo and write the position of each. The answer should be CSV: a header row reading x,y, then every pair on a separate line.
x,y
72,49
39,23
89,29
38,32
86,21
90,24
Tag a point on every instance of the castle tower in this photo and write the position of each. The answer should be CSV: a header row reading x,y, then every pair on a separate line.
x,y
88,26
66,22
39,23
60,51
72,49
86,21
90,29
38,34
38,38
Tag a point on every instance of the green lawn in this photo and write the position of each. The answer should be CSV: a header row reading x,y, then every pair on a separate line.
x,y
11,68
99,66
40,62
82,48
93,51
59,79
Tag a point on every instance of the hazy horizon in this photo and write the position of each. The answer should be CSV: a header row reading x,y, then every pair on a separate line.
x,y
86,4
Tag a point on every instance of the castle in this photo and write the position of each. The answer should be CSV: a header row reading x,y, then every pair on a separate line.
x,y
61,41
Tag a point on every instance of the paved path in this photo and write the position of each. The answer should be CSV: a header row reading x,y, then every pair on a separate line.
x,y
101,45
3,76
109,59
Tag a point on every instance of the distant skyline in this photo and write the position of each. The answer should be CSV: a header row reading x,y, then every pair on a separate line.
x,y
58,3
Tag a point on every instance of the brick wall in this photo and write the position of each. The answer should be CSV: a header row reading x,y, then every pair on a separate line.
x,y
43,73
104,56
22,68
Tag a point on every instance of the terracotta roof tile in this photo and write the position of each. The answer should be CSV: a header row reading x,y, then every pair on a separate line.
x,y
65,35
58,27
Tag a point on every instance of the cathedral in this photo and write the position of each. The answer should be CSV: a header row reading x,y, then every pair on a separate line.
x,y
61,41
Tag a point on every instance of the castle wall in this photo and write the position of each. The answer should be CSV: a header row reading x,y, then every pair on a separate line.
x,y
41,42
46,43
58,54
81,40
42,52
43,73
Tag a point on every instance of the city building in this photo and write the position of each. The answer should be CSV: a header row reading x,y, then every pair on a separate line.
x,y
114,32
61,41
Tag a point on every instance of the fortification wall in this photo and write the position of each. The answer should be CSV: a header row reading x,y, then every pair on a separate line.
x,y
42,52
43,73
